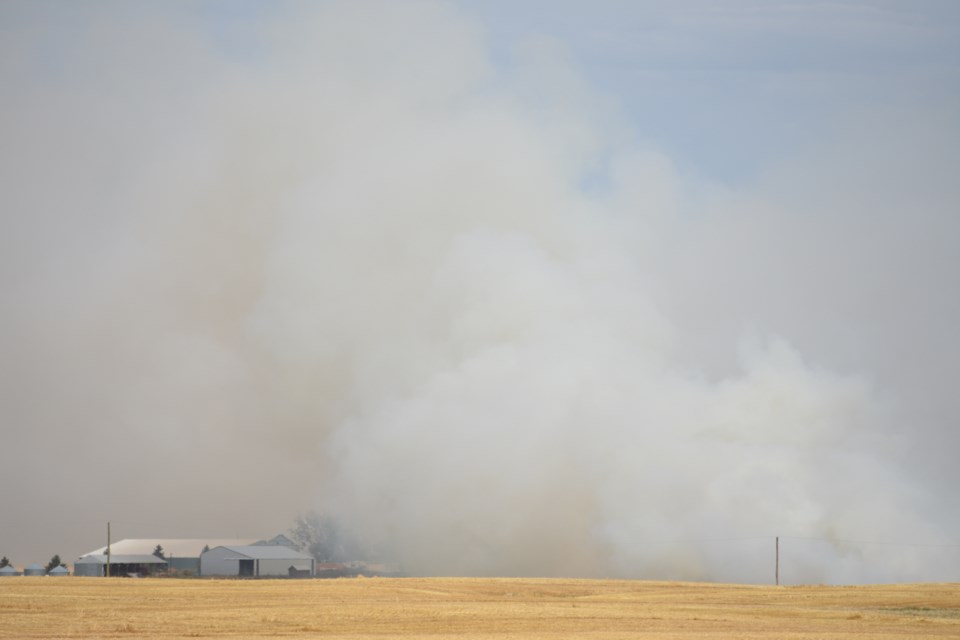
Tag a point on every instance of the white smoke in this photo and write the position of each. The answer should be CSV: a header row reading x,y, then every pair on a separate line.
x,y
370,263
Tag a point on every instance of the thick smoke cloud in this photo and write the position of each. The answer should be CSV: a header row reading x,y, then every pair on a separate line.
x,y
339,258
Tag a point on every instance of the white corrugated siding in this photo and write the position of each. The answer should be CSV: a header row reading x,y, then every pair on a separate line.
x,y
219,561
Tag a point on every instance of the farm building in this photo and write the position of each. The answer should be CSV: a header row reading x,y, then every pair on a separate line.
x,y
58,571
95,564
34,569
8,570
181,555
279,540
256,561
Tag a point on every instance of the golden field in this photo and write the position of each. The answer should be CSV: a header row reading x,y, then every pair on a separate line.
x,y
467,608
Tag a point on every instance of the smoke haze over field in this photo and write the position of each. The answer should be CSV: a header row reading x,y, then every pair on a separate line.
x,y
476,290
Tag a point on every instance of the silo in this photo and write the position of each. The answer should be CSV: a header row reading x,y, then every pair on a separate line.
x,y
34,570
58,571
8,571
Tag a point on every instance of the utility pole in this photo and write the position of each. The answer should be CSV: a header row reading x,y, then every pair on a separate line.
x,y
108,549
777,573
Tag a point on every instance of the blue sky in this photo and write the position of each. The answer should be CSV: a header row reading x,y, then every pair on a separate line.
x,y
726,87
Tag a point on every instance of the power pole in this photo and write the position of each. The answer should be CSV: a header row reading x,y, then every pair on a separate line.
x,y
108,549
777,573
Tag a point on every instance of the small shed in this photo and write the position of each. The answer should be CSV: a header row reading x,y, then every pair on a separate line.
x,y
256,561
34,569
8,570
58,571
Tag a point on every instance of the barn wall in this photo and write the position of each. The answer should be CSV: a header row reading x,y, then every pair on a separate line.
x,y
219,562
88,569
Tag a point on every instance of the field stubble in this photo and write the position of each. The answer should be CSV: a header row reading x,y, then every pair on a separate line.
x,y
468,607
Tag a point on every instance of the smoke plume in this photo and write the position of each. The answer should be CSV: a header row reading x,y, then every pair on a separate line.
x,y
338,257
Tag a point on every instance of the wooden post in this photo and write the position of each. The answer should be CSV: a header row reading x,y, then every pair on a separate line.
x,y
777,571
108,549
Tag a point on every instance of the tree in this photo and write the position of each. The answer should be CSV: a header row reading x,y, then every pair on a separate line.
x,y
322,536
159,552
54,562
4,562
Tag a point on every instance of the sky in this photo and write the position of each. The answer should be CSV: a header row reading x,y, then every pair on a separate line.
x,y
605,289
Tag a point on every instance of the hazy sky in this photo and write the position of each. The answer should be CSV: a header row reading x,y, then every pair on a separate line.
x,y
537,288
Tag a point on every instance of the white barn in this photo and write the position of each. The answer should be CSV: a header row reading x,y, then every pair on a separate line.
x,y
256,561
179,554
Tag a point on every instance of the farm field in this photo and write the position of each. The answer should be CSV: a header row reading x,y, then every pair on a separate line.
x,y
162,608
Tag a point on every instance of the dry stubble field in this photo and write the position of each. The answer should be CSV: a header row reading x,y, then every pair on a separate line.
x,y
467,607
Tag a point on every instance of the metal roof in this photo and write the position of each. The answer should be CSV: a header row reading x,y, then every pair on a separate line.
x,y
99,558
9,569
267,552
172,547
279,539
58,570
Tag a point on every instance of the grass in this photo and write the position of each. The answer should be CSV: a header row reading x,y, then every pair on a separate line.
x,y
469,608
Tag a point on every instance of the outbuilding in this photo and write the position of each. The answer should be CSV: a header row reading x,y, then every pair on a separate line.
x,y
34,569
8,570
257,561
